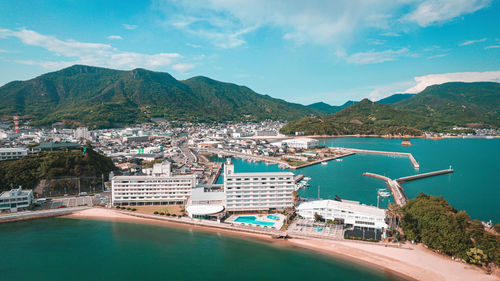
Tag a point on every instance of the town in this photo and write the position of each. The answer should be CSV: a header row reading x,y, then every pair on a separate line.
x,y
184,172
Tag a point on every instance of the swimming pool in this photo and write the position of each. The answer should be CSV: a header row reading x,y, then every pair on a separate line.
x,y
252,220
273,217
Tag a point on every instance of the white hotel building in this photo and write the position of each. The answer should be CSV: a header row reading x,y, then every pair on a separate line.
x,y
257,191
158,188
350,212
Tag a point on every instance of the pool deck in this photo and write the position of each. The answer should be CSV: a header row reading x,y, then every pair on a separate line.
x,y
277,223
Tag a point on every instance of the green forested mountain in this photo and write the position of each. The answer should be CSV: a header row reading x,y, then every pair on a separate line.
x,y
365,117
394,98
328,109
438,108
457,103
100,97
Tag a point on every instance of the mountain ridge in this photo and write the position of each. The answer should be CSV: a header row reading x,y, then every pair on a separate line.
x,y
107,97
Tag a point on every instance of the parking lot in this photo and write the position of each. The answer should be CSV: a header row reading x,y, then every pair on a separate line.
x,y
73,201
311,228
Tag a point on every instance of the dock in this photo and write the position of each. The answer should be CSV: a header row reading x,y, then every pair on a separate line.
x,y
397,190
424,175
404,154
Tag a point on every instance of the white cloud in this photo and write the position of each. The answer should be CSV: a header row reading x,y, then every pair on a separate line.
x,y
437,56
377,57
391,34
224,23
492,47
129,26
183,67
97,54
470,42
424,81
115,37
193,45
431,12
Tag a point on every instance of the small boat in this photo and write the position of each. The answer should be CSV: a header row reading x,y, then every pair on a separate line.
x,y
307,178
324,163
338,160
383,193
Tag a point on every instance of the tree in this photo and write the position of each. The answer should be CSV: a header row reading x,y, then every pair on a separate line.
x,y
476,256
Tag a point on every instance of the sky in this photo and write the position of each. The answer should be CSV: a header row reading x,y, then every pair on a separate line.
x,y
299,51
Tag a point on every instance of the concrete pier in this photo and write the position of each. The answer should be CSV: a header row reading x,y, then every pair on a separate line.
x,y
395,185
404,154
424,175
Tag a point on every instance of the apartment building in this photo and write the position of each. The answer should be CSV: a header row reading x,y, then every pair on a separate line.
x,y
160,187
15,200
12,153
257,191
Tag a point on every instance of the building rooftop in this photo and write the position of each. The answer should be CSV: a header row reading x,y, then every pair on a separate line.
x,y
352,206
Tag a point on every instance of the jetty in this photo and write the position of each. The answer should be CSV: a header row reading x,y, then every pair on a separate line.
x,y
397,190
404,154
424,175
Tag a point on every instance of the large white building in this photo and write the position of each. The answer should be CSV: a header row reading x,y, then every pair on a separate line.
x,y
12,153
300,143
257,191
160,187
15,200
349,212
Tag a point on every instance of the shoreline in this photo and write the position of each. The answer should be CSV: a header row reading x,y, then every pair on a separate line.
x,y
416,263
395,137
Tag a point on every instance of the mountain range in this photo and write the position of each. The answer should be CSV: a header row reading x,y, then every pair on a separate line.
x,y
102,98
438,108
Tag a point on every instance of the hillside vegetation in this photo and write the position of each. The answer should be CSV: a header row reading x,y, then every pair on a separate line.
x,y
28,172
432,221
438,109
328,109
100,97
457,103
365,117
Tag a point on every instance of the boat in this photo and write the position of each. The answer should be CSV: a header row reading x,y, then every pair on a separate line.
x,y
307,178
338,160
324,163
383,193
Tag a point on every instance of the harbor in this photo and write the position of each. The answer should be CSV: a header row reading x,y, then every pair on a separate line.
x,y
397,190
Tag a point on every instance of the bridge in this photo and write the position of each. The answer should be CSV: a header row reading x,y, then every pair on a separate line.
x,y
395,185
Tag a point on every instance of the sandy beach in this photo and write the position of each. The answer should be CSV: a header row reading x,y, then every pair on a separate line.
x,y
416,263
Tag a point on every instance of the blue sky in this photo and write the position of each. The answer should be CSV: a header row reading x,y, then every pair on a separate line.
x,y
300,51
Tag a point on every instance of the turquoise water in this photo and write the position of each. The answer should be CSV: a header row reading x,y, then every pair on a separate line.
x,y
473,187
68,249
253,220
273,217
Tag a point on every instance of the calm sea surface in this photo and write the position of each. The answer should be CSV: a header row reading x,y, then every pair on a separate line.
x,y
70,249
473,187
67,249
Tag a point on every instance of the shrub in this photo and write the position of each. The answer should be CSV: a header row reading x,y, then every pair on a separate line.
x,y
168,214
162,213
134,209
156,213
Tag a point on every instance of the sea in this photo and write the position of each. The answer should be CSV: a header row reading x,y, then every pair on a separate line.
x,y
73,249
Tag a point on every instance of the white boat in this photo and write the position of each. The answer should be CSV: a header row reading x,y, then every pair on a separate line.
x,y
338,160
383,193
307,178
324,163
